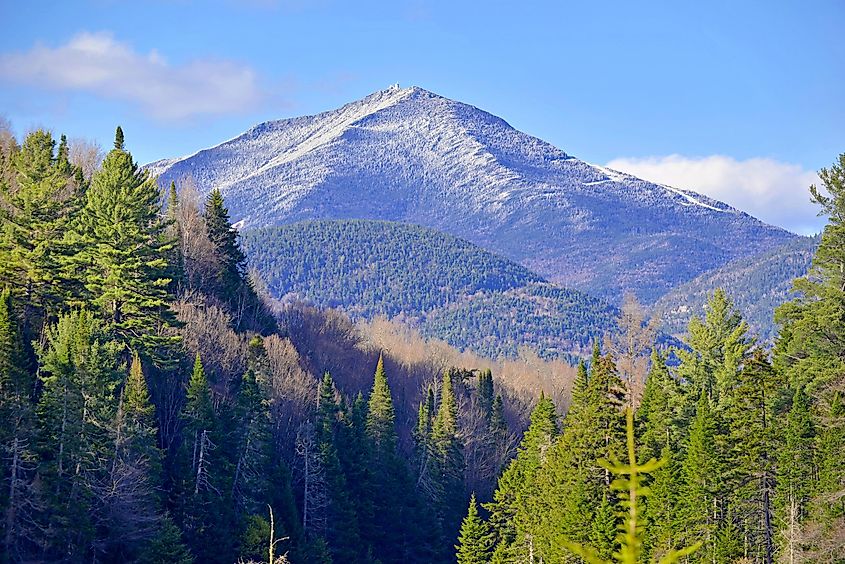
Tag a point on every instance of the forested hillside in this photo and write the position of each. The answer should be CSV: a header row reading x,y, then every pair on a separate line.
x,y
446,287
758,285
156,407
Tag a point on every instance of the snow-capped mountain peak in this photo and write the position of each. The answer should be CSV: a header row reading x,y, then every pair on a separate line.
x,y
407,154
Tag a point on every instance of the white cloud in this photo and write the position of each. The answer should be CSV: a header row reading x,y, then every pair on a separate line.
x,y
97,63
773,191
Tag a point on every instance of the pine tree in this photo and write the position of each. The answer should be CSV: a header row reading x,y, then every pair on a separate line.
x,y
122,250
572,483
448,458
341,532
253,448
796,467
381,417
200,507
386,487
166,546
37,209
751,436
719,345
630,490
233,286
474,541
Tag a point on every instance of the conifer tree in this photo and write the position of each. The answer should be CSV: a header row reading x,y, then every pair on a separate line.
x,y
808,353
572,483
516,485
387,472
700,474
474,540
200,504
719,345
133,502
448,456
166,546
17,434
38,206
76,418
122,253
253,449
752,457
341,531
795,470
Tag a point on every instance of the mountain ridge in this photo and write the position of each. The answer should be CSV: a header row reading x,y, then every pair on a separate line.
x,y
413,156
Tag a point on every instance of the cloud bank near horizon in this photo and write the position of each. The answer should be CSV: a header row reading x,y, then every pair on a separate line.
x,y
773,191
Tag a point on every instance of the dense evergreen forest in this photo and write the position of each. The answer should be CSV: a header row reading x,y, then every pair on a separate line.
x,y
157,407
758,285
446,287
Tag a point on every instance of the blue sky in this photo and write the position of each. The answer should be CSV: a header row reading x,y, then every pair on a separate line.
x,y
740,100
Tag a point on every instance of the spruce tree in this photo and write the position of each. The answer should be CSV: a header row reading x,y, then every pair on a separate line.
x,y
341,531
448,457
474,541
133,503
200,506
795,471
387,471
701,469
516,486
572,483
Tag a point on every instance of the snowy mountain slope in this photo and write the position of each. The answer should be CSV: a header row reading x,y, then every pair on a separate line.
x,y
412,156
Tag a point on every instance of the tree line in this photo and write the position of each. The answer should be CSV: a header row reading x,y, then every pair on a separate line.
x,y
747,445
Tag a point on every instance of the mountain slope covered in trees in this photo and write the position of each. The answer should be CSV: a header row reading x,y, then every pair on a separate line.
x,y
410,155
444,286
758,285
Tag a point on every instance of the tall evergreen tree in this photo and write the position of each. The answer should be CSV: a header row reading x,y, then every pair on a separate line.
x,y
474,541
809,352
700,474
122,254
516,486
17,434
38,206
448,457
76,413
201,508
132,502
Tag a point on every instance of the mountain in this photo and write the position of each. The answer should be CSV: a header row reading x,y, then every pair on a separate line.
x,y
446,287
757,285
410,155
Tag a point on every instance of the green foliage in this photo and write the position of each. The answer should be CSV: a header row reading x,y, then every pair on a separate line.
x,y
629,485
758,285
474,540
121,252
38,204
457,291
809,355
